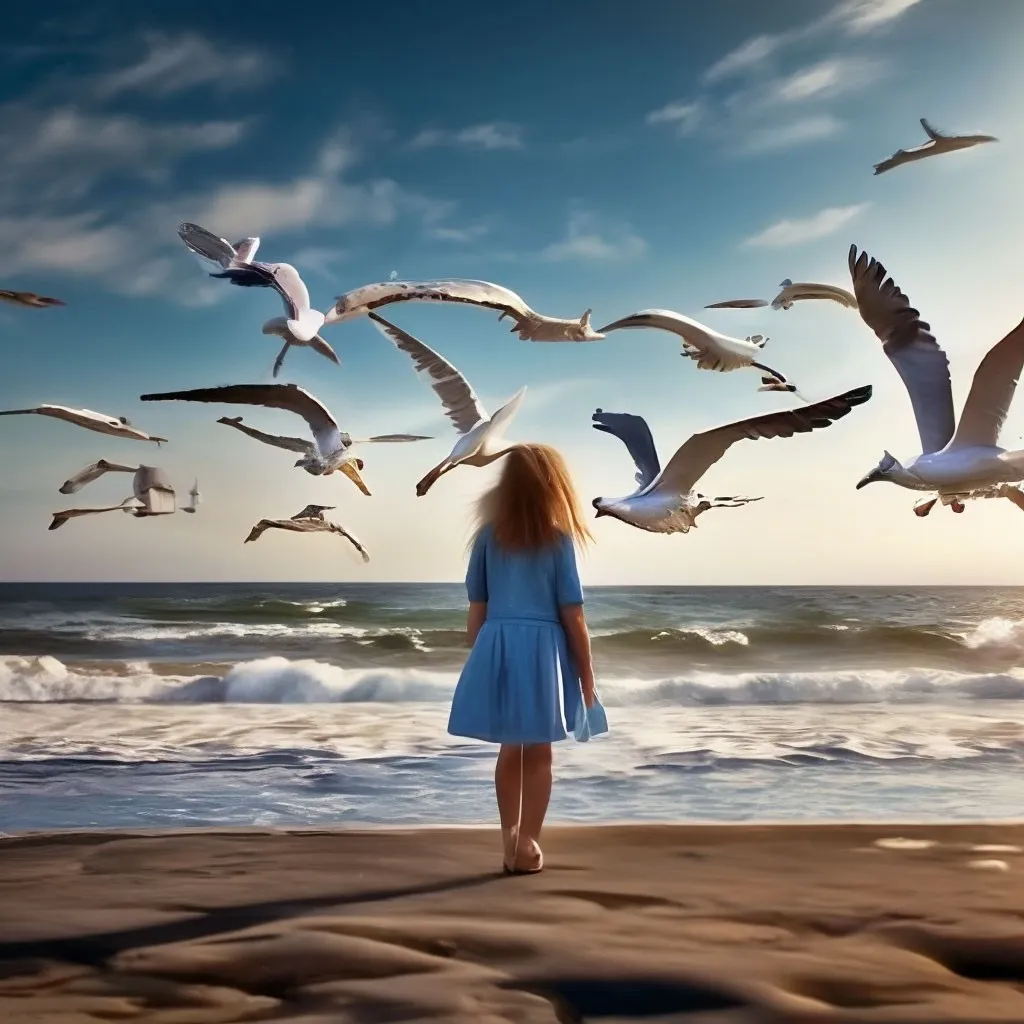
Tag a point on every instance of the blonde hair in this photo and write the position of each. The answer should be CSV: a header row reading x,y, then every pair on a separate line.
x,y
533,502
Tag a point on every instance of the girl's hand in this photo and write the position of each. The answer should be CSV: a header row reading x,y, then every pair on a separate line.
x,y
589,693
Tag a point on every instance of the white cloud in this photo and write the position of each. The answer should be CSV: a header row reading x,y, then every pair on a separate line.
x,y
683,116
788,135
173,64
796,232
62,152
746,57
861,16
586,238
855,17
824,79
320,258
490,135
469,233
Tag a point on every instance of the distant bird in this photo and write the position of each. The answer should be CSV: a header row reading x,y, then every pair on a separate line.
x,y
306,524
480,442
803,290
738,304
91,473
118,426
29,299
194,499
665,501
937,144
958,461
330,450
152,495
530,326
301,325
709,349
791,293
314,511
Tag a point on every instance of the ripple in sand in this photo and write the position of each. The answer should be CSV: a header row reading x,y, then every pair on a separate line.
x,y
995,848
988,865
900,843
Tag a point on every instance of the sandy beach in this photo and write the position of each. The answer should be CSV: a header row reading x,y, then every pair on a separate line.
x,y
695,923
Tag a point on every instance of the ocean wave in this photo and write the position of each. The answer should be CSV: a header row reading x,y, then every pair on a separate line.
x,y
280,680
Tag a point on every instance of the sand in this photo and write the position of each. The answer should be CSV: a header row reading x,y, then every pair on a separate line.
x,y
699,924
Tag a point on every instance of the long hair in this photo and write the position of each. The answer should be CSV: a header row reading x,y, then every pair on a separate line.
x,y
533,502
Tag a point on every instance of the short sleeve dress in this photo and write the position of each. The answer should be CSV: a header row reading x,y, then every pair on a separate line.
x,y
519,684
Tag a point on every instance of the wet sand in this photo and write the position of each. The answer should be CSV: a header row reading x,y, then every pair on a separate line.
x,y
700,924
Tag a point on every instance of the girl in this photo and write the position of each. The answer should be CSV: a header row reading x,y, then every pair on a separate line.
x,y
530,666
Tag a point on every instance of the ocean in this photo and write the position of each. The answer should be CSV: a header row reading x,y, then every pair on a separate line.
x,y
173,705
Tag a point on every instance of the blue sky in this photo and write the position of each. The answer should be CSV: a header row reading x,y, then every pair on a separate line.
x,y
594,154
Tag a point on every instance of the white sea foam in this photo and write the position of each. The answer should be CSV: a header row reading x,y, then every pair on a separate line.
x,y
280,680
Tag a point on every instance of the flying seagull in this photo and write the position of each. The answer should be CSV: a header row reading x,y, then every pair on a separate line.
x,y
194,499
306,524
152,495
530,326
302,323
330,450
314,511
959,461
791,293
91,473
30,299
118,426
665,501
937,144
709,349
480,440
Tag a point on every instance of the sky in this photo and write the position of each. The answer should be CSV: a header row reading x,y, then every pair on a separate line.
x,y
585,154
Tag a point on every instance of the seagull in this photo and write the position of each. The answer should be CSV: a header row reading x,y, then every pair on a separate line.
x,y
710,350
739,304
937,144
93,472
98,421
301,325
664,501
196,498
530,326
792,292
330,449
959,461
30,299
306,524
480,440
314,511
152,494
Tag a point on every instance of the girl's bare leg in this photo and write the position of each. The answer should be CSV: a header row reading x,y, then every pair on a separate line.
x,y
536,796
508,792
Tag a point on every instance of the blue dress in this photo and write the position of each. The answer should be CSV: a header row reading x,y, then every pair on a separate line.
x,y
519,684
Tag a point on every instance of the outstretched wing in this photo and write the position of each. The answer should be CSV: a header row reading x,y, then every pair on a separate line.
x,y
206,244
291,444
91,473
460,402
992,390
702,451
289,397
932,133
911,347
635,434
361,301
351,538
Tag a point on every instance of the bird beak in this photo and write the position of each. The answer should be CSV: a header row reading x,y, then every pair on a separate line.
x,y
353,474
869,479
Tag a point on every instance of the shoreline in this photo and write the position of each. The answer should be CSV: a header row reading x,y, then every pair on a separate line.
x,y
743,923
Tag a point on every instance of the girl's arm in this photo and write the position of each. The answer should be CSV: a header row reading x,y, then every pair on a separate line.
x,y
475,619
574,622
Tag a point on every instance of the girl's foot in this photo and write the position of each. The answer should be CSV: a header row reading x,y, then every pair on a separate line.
x,y
508,839
530,858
